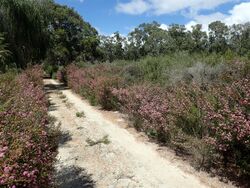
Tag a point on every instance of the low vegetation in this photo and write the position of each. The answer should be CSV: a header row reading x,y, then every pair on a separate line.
x,y
28,141
103,140
187,89
198,109
62,96
80,114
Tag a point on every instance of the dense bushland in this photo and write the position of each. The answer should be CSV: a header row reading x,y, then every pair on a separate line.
x,y
27,142
187,89
200,109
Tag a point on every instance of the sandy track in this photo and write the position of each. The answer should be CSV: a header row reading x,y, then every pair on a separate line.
x,y
125,162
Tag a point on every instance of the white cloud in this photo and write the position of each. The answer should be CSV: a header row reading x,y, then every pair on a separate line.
x,y
205,20
164,26
133,7
190,24
238,14
170,6
160,7
210,18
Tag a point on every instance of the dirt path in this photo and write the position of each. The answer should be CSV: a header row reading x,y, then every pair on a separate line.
x,y
127,161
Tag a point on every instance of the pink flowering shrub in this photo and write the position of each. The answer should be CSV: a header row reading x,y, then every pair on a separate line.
x,y
103,91
185,115
94,84
219,115
27,144
35,75
228,117
187,107
149,105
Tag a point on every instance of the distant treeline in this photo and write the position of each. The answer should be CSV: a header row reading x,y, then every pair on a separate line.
x,y
42,31
150,40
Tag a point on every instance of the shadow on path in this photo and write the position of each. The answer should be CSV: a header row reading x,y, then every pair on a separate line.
x,y
74,177
49,88
53,88
68,176
64,138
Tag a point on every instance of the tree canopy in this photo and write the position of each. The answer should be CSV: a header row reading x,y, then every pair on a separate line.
x,y
38,30
43,31
149,39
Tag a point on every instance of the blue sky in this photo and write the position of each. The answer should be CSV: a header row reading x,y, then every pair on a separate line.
x,y
109,16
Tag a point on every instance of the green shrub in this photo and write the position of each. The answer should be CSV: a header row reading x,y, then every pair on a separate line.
x,y
80,114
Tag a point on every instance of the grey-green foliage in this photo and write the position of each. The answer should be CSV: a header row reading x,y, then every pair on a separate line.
x,y
149,39
173,68
159,42
181,37
240,38
112,47
103,140
200,73
218,33
199,41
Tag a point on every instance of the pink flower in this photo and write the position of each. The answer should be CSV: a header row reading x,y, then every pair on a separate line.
x,y
7,169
